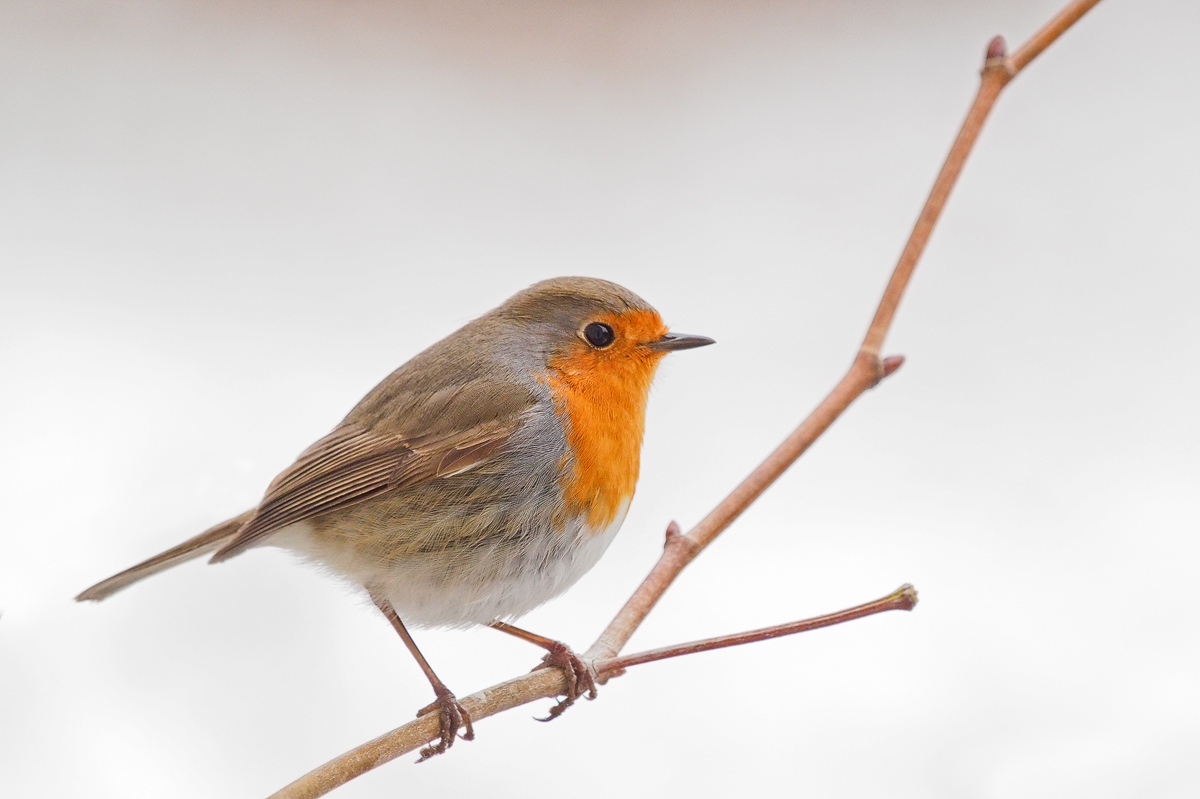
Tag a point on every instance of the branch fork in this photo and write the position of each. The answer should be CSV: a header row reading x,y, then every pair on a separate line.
x,y
679,549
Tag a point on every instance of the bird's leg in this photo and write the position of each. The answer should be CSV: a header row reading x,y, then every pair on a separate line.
x,y
450,712
581,677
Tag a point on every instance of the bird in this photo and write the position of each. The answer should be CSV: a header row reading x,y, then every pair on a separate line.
x,y
479,480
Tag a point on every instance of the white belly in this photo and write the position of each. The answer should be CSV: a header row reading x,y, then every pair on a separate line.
x,y
493,585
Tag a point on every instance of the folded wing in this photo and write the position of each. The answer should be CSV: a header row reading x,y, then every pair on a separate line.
x,y
352,464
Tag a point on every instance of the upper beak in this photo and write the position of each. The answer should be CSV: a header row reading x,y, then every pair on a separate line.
x,y
679,341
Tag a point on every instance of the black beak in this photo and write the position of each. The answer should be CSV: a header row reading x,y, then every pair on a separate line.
x,y
679,341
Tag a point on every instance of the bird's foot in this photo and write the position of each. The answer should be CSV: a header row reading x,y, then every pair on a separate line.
x,y
452,716
581,677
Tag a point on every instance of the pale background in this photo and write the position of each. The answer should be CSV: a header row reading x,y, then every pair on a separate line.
x,y
222,222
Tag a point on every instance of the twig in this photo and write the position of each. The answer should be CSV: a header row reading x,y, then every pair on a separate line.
x,y
865,372
903,598
543,684
867,369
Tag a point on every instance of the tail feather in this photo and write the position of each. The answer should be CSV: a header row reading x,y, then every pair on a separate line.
x,y
211,539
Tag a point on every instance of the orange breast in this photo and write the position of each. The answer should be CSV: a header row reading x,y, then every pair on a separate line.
x,y
603,394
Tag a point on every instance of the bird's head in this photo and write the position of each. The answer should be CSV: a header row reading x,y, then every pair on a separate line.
x,y
594,332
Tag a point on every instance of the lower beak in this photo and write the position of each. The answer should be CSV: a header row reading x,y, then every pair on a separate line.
x,y
679,341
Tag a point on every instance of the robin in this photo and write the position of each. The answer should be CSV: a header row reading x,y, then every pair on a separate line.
x,y
478,480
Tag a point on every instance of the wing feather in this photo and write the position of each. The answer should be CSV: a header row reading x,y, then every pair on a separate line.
x,y
352,464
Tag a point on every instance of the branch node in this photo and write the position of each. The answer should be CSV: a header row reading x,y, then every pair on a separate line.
x,y
998,62
675,539
673,532
878,368
891,364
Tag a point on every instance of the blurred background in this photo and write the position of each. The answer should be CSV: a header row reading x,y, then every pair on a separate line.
x,y
221,223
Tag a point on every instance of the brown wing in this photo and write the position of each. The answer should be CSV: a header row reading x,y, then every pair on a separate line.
x,y
353,464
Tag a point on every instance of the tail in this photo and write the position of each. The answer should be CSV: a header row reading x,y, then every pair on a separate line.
x,y
202,544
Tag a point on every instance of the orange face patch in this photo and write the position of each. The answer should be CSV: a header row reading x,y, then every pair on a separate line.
x,y
603,392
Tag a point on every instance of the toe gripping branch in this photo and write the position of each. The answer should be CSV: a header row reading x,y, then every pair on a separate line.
x,y
581,677
452,716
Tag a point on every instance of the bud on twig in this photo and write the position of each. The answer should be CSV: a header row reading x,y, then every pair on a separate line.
x,y
891,364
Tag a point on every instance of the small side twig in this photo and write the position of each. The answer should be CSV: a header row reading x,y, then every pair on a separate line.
x,y
903,598
867,370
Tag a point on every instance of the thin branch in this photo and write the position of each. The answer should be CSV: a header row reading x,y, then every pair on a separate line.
x,y
903,598
867,369
865,372
540,684
544,684
1051,31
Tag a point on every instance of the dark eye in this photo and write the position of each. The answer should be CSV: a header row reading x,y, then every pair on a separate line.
x,y
599,335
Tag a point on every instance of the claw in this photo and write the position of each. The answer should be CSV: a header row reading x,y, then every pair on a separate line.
x,y
452,716
581,678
